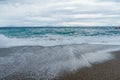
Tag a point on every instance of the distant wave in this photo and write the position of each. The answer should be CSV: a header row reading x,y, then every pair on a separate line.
x,y
49,61
58,36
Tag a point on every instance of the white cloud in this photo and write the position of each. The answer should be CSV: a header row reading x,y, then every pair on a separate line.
x,y
80,23
89,16
63,12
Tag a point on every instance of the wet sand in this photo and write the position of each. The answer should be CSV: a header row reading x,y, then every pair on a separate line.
x,y
109,70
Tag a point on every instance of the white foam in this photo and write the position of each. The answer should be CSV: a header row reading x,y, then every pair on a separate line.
x,y
50,61
51,40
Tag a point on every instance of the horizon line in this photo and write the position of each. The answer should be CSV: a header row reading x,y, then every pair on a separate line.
x,y
54,26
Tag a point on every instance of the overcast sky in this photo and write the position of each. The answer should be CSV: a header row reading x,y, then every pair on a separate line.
x,y
59,12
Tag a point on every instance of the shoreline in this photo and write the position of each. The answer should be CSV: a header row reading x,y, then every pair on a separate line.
x,y
109,70
82,72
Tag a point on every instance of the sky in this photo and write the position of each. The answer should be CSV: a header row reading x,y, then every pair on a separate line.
x,y
59,13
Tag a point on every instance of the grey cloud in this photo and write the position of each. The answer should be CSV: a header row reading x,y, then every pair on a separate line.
x,y
60,11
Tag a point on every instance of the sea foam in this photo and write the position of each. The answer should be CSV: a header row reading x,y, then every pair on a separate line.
x,y
52,40
48,62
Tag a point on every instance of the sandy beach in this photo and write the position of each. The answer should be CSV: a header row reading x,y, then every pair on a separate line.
x,y
109,70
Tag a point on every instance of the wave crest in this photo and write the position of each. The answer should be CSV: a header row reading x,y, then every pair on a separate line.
x,y
52,40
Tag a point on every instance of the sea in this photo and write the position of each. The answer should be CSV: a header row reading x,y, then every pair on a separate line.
x,y
43,53
51,36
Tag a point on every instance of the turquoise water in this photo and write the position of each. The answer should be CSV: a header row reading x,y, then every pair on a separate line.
x,y
41,32
50,36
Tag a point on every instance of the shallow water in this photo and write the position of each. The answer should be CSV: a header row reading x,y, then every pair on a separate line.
x,y
48,62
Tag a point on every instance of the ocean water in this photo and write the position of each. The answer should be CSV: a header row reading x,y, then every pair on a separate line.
x,y
58,36
42,53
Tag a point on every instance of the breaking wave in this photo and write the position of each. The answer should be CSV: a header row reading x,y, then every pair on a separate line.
x,y
52,40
